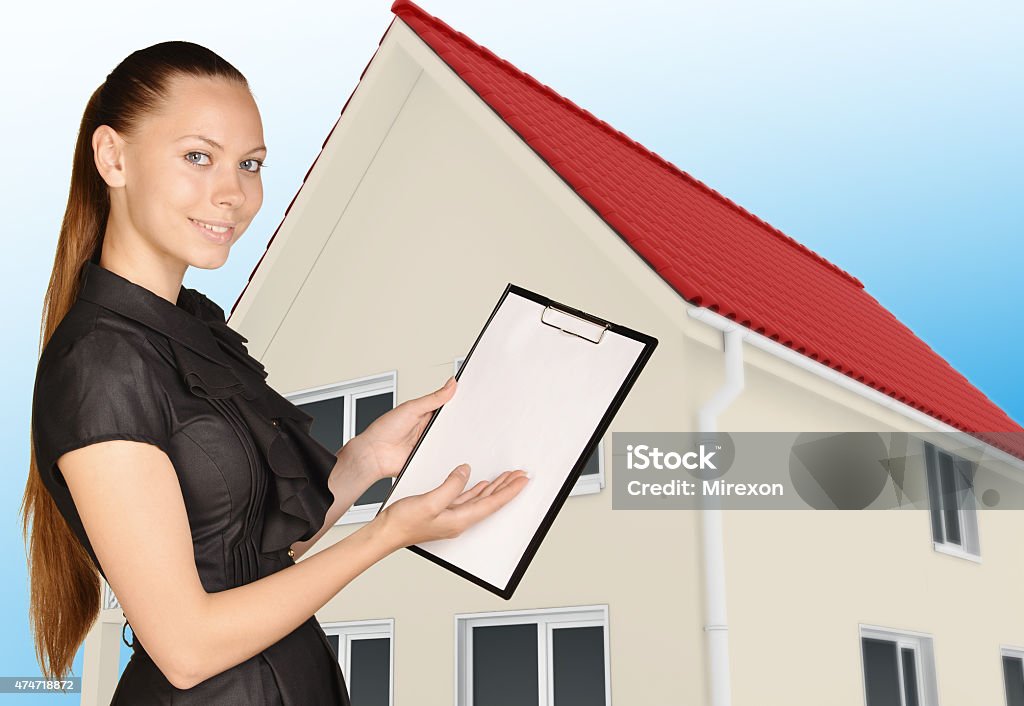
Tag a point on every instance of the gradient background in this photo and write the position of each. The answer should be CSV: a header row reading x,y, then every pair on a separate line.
x,y
885,136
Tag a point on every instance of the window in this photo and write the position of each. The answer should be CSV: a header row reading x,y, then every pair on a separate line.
x,y
951,501
591,480
899,668
1013,675
340,412
555,657
365,653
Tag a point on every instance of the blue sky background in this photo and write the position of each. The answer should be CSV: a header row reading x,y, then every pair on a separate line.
x,y
885,136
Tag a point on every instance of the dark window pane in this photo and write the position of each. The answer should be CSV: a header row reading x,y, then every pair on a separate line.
x,y
909,677
949,499
934,501
335,641
1013,675
881,672
376,492
592,467
965,473
578,658
369,408
505,665
370,680
328,424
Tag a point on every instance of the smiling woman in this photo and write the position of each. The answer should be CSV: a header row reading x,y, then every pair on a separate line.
x,y
217,230
161,459
145,401
198,162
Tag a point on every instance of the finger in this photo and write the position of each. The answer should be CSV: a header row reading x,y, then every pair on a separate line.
x,y
472,512
441,395
497,483
512,475
497,487
471,493
446,493
445,392
431,401
511,486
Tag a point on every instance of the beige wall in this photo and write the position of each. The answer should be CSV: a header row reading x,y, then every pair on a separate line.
x,y
421,209
799,583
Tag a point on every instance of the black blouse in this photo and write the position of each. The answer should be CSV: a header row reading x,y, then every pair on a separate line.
x,y
125,363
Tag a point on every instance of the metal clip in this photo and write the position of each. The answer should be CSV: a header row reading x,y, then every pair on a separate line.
x,y
604,327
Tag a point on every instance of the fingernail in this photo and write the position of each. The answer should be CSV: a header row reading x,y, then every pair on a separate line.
x,y
449,383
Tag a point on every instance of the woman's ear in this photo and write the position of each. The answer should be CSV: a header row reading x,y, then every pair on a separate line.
x,y
108,153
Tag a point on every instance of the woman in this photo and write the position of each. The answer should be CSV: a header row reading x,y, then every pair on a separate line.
x,y
161,458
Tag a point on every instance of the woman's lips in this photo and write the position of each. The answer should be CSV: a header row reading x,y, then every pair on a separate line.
x,y
219,238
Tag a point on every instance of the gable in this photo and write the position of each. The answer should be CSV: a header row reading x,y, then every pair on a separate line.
x,y
716,254
708,249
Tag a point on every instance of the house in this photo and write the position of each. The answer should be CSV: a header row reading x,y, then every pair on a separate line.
x,y
451,173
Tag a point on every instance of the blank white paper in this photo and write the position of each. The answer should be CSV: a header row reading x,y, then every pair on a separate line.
x,y
529,396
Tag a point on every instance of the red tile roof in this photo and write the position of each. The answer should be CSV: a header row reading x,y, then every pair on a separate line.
x,y
713,252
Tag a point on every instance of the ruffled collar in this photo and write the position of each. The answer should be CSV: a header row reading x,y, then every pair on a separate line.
x,y
214,363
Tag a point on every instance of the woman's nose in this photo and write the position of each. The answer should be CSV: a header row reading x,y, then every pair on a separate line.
x,y
228,191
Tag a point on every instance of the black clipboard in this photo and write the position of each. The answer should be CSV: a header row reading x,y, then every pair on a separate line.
x,y
545,384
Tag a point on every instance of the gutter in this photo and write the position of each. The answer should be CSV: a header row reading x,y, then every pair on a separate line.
x,y
778,350
716,624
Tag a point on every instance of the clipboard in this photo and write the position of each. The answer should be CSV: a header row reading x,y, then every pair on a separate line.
x,y
537,390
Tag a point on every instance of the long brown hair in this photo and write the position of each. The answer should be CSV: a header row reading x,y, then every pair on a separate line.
x,y
65,585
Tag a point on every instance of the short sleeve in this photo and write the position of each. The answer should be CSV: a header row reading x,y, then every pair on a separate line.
x,y
101,386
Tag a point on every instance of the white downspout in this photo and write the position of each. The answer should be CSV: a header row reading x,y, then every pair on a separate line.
x,y
714,566
716,624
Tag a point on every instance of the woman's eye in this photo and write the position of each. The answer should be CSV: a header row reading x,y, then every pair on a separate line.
x,y
258,165
201,154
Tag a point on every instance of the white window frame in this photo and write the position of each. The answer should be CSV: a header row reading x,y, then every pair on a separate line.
x,y
351,390
351,630
924,657
1008,651
549,619
585,484
967,513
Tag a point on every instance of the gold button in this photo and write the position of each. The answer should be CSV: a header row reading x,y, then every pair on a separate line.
x,y
291,552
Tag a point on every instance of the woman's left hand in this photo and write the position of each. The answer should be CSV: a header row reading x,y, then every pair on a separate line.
x,y
382,449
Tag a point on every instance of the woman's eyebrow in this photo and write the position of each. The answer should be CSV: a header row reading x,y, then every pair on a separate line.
x,y
217,144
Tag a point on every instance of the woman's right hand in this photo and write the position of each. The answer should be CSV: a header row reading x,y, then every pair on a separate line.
x,y
445,512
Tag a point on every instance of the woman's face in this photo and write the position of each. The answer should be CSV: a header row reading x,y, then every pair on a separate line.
x,y
197,161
